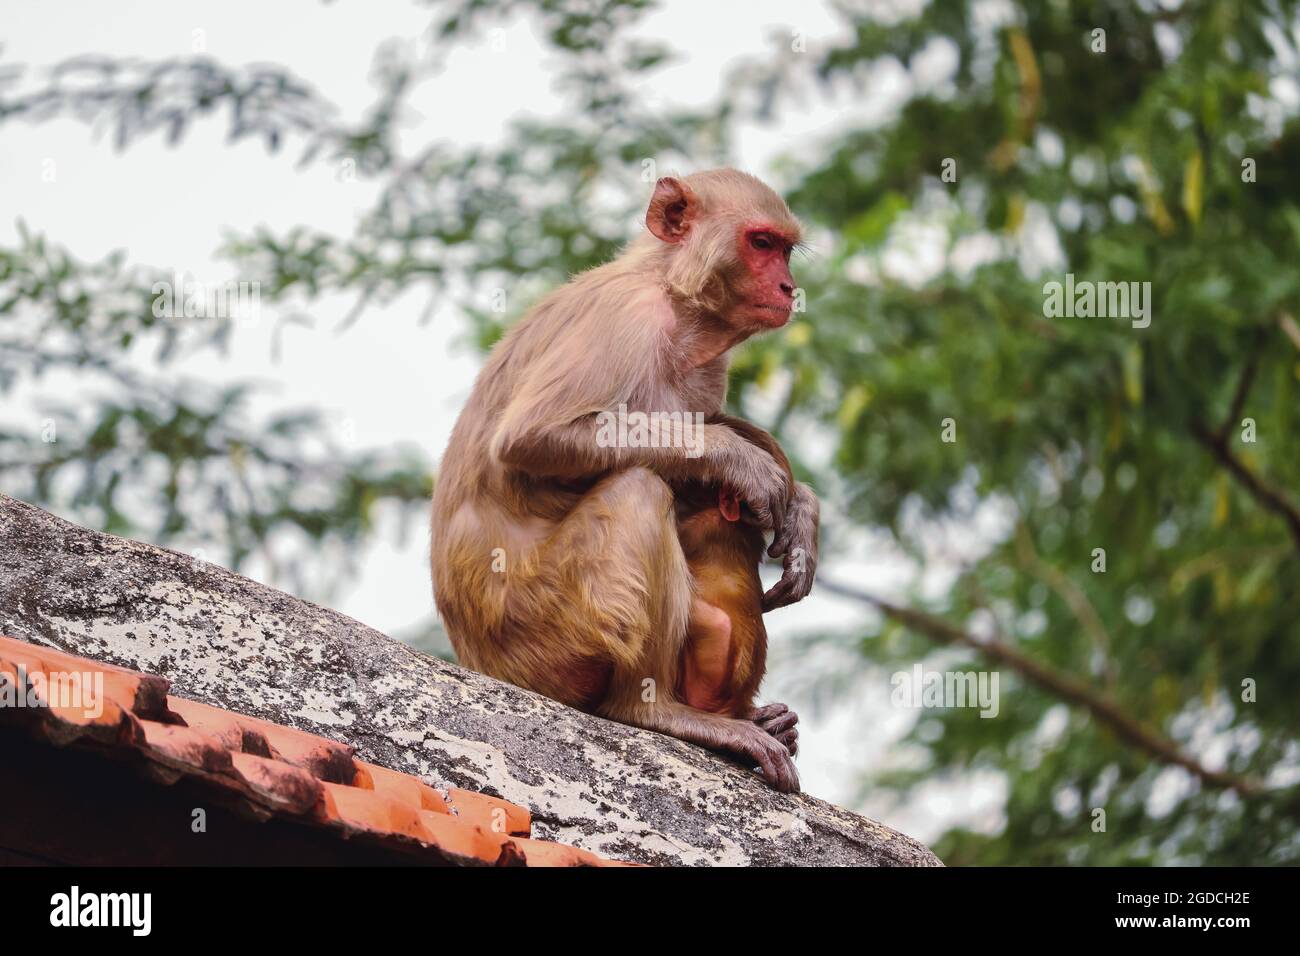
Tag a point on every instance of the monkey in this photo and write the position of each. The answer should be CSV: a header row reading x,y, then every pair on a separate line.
x,y
723,549
555,554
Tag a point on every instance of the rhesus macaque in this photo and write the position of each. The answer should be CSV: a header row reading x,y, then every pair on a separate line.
x,y
556,559
723,665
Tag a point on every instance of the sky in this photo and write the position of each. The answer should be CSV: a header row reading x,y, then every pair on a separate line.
x,y
389,380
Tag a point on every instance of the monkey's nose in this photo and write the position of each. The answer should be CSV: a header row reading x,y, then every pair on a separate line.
x,y
788,289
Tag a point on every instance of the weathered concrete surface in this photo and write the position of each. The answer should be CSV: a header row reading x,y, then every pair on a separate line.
x,y
223,639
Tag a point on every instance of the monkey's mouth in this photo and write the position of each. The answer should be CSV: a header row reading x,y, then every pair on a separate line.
x,y
780,312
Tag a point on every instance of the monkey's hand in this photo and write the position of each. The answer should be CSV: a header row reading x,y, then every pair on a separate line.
x,y
796,545
755,476
779,722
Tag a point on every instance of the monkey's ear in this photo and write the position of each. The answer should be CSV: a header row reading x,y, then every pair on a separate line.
x,y
673,208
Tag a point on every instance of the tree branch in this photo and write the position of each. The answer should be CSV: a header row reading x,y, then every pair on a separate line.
x,y
1101,707
1270,497
1242,392
1216,442
1074,598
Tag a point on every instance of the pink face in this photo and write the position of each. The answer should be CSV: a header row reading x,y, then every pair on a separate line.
x,y
766,290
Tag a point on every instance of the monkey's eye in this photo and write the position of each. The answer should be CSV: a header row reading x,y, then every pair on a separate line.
x,y
760,241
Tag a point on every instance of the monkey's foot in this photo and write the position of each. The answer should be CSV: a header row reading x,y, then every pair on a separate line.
x,y
779,721
772,756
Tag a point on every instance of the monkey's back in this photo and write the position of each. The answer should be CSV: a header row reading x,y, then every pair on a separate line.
x,y
489,518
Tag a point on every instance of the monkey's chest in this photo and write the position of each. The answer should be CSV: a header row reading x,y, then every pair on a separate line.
x,y
702,391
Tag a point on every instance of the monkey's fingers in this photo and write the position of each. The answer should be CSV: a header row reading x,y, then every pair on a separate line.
x,y
770,516
799,532
779,509
769,507
786,591
781,543
776,596
795,583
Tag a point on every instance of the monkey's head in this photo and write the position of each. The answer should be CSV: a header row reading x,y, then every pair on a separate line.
x,y
727,239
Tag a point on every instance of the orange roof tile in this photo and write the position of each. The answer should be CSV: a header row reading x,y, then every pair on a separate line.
x,y
272,770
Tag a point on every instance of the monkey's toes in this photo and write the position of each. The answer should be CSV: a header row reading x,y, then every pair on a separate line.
x,y
779,723
767,712
779,772
791,740
788,776
773,758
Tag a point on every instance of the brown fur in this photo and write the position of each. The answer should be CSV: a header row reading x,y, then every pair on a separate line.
x,y
556,562
724,556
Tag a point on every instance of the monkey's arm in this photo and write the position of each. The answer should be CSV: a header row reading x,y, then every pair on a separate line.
x,y
717,456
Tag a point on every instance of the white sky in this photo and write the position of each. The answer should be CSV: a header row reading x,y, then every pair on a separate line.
x,y
392,381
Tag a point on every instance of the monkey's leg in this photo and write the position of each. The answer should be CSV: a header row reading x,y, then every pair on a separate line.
x,y
708,680
707,660
608,587
741,737
611,580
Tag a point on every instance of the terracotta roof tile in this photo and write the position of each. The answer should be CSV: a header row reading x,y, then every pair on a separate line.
x,y
282,787
272,770
542,853
492,813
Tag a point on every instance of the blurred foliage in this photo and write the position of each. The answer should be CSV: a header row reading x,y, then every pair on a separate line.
x,y
1072,434
155,455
